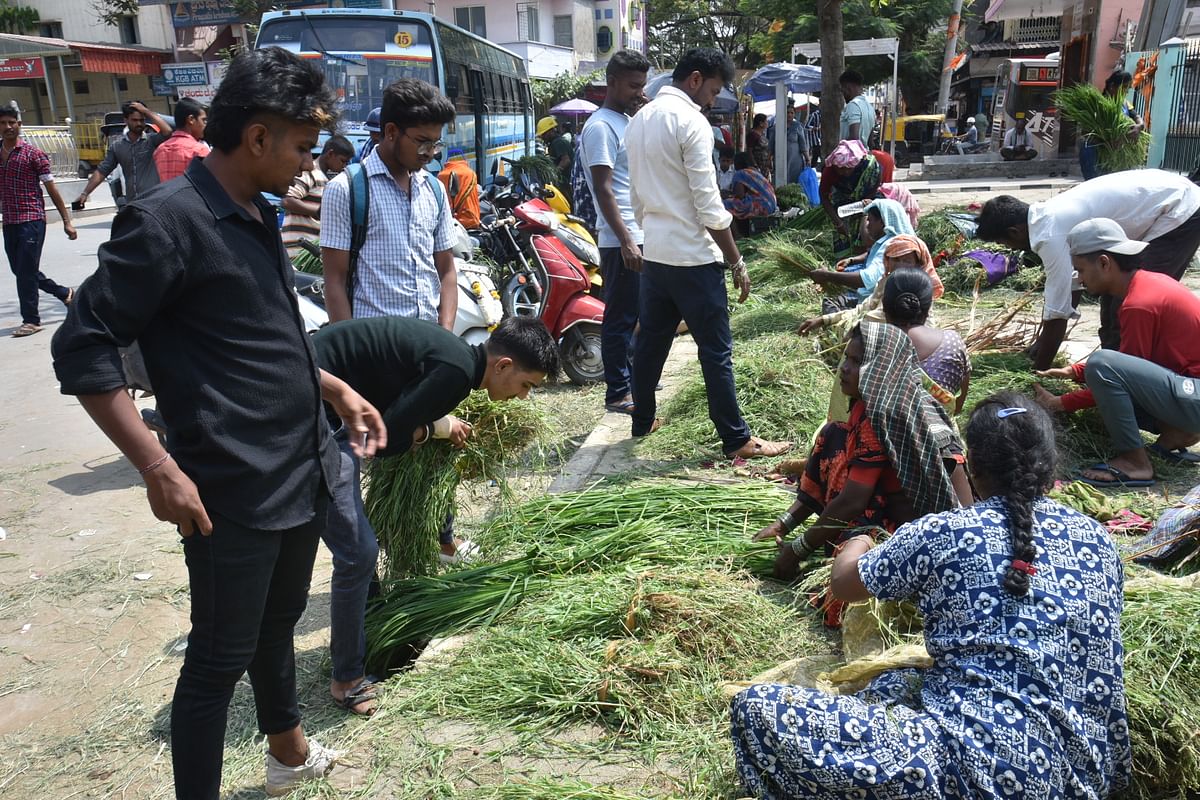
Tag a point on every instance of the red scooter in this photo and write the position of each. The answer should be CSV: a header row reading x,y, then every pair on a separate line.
x,y
549,282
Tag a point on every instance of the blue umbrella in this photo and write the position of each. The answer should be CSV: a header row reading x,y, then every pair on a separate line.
x,y
799,79
726,102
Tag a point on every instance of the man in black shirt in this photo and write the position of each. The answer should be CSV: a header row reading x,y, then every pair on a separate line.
x,y
416,373
197,274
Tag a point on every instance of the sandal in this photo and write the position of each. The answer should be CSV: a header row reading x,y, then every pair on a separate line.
x,y
360,693
621,406
27,329
1180,455
1120,478
658,423
760,448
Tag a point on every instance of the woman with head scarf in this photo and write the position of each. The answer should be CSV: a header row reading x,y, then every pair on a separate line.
x,y
885,219
753,195
851,174
907,297
894,459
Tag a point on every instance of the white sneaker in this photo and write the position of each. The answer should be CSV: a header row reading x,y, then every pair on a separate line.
x,y
281,779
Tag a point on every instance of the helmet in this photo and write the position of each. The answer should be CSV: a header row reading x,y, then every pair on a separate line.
x,y
970,120
546,124
373,120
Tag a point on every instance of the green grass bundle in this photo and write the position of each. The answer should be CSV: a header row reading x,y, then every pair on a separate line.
x,y
790,196
307,261
939,233
1106,125
792,250
782,388
409,496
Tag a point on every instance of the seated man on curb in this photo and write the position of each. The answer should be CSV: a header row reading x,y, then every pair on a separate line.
x,y
415,373
1154,377
1018,144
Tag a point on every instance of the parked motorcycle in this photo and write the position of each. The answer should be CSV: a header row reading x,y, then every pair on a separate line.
x,y
541,277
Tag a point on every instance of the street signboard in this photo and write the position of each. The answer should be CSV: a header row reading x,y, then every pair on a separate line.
x,y
196,13
160,88
193,74
201,94
12,69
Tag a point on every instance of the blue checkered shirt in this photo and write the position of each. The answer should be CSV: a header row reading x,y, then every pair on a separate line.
x,y
396,276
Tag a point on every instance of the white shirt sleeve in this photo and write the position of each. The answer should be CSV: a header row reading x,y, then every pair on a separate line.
x,y
1010,137
335,214
696,144
1060,278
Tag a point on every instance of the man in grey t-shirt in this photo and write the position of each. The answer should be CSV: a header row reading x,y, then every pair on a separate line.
x,y
133,152
620,238
858,117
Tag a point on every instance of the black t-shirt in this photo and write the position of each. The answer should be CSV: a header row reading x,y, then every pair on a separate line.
x,y
413,371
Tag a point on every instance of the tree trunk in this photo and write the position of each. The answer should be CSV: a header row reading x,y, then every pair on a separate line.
x,y
833,63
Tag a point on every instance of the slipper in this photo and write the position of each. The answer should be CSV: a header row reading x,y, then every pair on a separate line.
x,y
1180,455
620,407
28,329
360,693
760,448
1119,478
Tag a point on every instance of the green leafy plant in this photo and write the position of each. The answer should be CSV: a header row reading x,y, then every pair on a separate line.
x,y
1103,121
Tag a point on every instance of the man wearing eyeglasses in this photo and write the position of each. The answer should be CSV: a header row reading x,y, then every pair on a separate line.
x,y
405,267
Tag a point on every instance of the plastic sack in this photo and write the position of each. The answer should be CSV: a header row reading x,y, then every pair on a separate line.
x,y
811,182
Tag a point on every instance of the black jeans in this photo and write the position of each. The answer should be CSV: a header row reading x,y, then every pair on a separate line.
x,y
249,588
697,295
1170,254
621,290
23,244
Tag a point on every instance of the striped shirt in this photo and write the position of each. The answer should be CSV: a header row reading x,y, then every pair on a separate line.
x,y
22,173
396,276
308,187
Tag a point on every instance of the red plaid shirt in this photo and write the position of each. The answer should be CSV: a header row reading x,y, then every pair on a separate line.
x,y
172,157
21,177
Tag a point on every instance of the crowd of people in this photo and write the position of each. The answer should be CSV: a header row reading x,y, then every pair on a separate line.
x,y
267,426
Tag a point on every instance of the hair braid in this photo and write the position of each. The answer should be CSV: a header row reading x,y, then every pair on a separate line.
x,y
1016,453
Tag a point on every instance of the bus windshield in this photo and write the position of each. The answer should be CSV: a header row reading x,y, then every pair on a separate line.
x,y
359,56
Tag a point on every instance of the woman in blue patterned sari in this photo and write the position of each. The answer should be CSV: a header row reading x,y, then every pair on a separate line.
x,y
1021,599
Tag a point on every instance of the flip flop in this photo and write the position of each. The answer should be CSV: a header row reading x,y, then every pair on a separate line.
x,y
360,693
1119,476
761,449
621,407
1180,455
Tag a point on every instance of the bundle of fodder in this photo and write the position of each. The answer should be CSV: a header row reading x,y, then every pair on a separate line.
x,y
546,789
779,261
1010,330
1103,121
409,497
308,260
638,526
782,388
639,651
792,195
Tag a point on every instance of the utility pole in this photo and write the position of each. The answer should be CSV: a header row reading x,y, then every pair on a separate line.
x,y
943,103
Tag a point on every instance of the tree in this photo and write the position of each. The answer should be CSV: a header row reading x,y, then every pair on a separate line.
x,y
110,12
17,19
831,24
675,26
561,87
919,25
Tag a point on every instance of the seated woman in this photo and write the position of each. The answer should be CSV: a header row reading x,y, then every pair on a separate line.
x,y
896,458
907,298
850,174
753,195
885,219
1026,696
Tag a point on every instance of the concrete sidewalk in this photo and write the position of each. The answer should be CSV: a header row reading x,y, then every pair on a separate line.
x,y
992,185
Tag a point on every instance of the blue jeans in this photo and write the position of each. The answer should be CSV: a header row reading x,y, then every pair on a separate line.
x,y
23,244
697,295
351,539
621,289
249,588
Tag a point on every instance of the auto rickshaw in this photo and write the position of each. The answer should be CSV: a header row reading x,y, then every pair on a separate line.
x,y
916,136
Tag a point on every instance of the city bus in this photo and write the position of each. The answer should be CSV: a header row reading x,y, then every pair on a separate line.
x,y
361,51
1026,86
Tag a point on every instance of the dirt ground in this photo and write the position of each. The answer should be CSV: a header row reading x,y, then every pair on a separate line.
x,y
93,609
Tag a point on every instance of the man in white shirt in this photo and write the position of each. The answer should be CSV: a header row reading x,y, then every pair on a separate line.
x,y
602,149
858,117
1150,205
1018,143
687,244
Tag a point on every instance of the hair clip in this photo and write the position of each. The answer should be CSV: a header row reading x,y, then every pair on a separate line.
x,y
1024,566
1008,412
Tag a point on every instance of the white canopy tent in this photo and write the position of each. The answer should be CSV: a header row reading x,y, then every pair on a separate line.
x,y
864,47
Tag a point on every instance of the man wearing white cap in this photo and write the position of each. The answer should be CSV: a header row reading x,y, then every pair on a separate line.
x,y
1154,377
1151,205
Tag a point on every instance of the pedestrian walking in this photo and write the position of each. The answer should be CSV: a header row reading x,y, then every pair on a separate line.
x,y
688,243
133,152
171,158
196,273
24,169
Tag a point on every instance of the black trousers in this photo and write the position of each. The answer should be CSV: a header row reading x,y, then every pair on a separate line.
x,y
249,588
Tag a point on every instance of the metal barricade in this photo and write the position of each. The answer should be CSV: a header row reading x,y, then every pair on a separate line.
x,y
58,143
1182,152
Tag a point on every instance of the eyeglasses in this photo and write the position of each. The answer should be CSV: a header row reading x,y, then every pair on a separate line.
x,y
427,148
